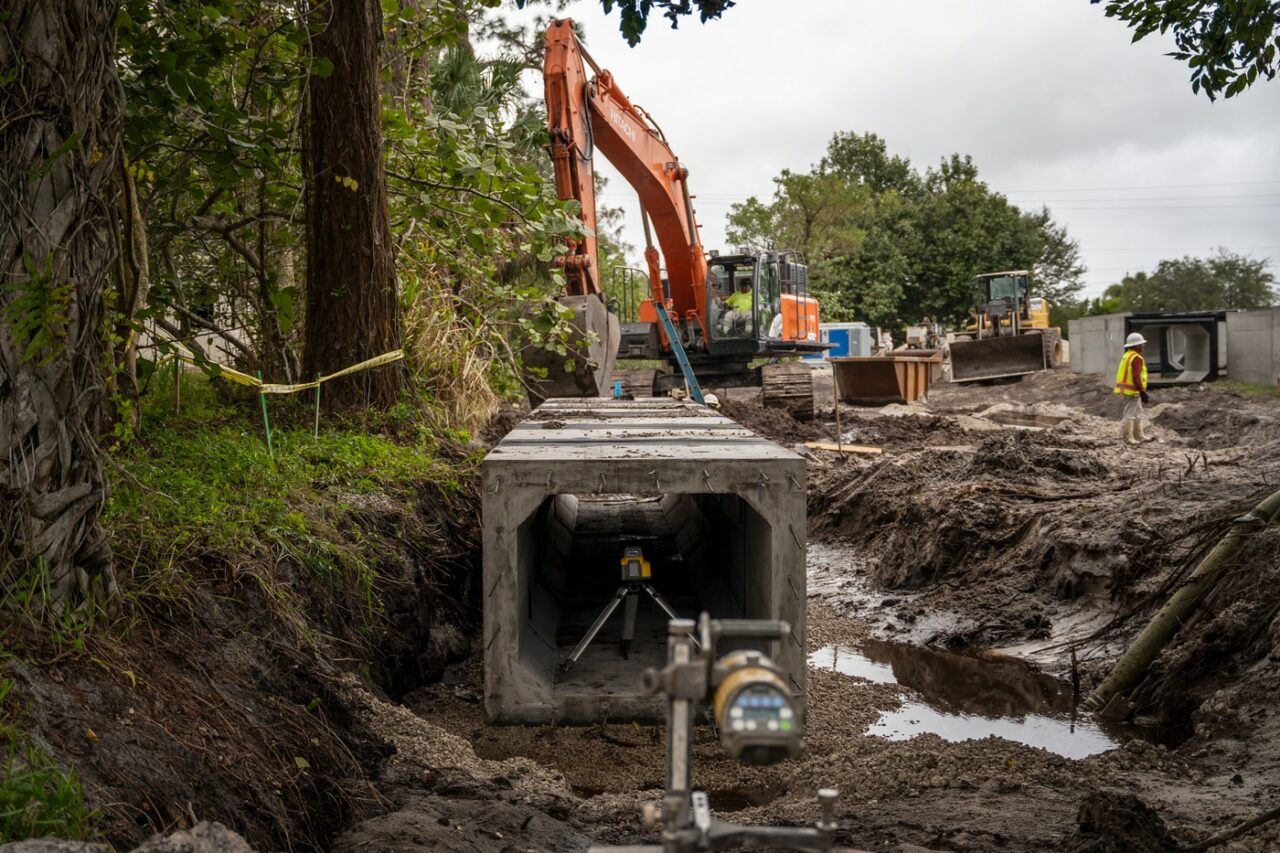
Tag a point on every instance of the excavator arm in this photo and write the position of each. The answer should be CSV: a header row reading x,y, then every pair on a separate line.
x,y
586,114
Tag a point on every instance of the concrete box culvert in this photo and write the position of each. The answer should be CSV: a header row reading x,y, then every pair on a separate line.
x,y
718,511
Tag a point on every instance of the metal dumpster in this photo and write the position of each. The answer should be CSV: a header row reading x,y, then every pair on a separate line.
x,y
883,379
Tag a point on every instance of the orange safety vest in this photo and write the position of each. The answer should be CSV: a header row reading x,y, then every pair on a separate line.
x,y
1124,374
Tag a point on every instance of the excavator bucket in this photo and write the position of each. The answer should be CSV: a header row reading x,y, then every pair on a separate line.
x,y
997,358
596,335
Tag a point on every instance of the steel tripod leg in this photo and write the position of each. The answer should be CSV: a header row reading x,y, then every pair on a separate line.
x,y
666,608
629,622
595,628
660,601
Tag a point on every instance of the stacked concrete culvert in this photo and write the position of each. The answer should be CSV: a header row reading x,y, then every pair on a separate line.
x,y
718,511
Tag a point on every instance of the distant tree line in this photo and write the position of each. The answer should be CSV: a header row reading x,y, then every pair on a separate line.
x,y
888,244
1225,280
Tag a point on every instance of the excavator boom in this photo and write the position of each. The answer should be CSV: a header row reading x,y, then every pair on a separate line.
x,y
753,306
589,113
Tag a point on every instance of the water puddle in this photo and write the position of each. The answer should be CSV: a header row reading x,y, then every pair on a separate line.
x,y
965,697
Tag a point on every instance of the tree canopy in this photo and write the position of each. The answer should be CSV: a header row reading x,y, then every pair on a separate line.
x,y
1228,44
633,15
1224,280
888,244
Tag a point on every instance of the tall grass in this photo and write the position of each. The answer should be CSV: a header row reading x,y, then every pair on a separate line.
x,y
450,356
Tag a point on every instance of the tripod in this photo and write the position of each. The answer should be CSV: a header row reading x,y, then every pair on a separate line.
x,y
628,593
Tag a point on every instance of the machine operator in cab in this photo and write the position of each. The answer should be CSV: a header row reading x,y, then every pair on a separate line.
x,y
1131,382
738,317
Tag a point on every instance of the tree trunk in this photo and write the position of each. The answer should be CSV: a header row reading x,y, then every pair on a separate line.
x,y
57,151
352,311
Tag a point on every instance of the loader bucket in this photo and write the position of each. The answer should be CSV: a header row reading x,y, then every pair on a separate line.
x,y
997,358
593,348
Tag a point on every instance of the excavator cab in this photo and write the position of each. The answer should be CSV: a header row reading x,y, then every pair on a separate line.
x,y
763,299
732,298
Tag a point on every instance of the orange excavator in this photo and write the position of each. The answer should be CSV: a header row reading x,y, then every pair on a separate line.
x,y
708,316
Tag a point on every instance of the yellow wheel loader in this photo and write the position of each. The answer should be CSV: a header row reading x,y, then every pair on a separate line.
x,y
1009,335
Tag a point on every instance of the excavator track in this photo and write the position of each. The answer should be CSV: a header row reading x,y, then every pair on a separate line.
x,y
788,386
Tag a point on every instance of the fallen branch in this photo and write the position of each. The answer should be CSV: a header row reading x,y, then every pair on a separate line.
x,y
1165,624
1224,837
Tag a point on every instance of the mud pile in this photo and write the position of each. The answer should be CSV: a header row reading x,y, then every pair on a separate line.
x,y
1011,526
773,423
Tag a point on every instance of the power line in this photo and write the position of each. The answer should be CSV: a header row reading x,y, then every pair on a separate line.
x,y
1173,207
1147,187
1150,198
1186,248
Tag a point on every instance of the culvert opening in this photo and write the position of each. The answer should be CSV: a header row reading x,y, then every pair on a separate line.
x,y
707,552
718,511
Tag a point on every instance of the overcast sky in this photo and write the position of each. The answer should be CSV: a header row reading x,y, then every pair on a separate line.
x,y
1051,100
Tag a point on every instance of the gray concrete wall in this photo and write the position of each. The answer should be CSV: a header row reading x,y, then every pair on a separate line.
x,y
1253,346
1097,344
732,503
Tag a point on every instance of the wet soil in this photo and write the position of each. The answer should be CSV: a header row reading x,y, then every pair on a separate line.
x,y
950,578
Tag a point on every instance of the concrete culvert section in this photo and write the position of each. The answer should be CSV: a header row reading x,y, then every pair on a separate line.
x,y
717,513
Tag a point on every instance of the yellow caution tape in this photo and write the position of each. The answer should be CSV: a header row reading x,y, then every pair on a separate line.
x,y
268,388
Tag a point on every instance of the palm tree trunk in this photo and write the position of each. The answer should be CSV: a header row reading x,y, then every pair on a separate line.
x,y
58,138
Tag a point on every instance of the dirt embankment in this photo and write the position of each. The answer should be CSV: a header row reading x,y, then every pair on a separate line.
x,y
212,693
1012,516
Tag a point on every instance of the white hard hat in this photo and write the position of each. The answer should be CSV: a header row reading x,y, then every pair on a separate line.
x,y
712,401
1135,339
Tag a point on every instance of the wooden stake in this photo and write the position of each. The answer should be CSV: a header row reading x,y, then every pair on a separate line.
x,y
835,395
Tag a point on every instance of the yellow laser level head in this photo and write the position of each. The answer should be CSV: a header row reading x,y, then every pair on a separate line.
x,y
634,566
755,710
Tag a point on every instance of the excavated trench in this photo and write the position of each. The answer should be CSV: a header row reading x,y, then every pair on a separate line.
x,y
999,502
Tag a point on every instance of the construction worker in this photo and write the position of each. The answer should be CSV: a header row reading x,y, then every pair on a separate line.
x,y
739,305
1131,382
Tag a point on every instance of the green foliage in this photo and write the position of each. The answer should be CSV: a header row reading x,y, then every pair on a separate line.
x,y
477,218
1064,311
37,798
1228,44
204,484
889,245
207,481
28,595
38,311
212,135
633,15
1225,280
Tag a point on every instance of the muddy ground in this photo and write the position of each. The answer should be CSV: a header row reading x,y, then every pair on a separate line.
x,y
951,578
997,519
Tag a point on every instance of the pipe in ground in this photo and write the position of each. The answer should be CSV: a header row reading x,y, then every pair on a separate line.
x,y
1134,662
